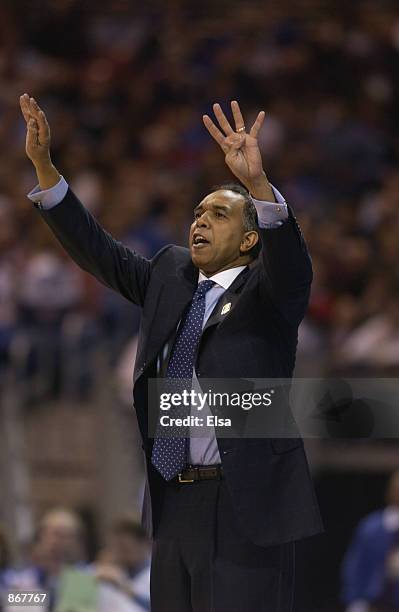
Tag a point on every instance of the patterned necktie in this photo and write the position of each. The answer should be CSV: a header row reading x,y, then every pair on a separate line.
x,y
169,454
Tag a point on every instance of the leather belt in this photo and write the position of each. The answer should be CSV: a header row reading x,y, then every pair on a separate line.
x,y
193,473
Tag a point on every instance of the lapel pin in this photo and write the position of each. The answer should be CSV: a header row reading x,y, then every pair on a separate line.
x,y
226,308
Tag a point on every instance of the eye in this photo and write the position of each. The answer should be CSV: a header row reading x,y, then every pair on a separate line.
x,y
197,215
219,214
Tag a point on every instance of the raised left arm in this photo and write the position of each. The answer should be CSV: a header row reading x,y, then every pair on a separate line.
x,y
286,262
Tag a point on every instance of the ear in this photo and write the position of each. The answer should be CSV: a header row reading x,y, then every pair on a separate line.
x,y
248,241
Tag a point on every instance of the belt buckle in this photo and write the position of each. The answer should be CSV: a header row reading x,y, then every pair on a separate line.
x,y
181,479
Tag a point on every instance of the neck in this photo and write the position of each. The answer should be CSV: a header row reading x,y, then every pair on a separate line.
x,y
229,266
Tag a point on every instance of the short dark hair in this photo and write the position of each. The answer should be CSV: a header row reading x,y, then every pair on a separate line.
x,y
127,525
250,216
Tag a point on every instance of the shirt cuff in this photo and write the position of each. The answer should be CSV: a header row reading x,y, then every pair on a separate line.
x,y
48,198
271,214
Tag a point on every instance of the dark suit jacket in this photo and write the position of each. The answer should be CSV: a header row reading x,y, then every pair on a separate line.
x,y
268,479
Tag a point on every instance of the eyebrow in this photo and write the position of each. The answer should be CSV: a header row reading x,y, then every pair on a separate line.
x,y
221,207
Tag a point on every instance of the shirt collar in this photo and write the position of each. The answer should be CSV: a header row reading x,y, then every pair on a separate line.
x,y
223,279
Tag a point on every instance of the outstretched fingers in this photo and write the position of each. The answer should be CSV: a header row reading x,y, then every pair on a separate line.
x,y
34,108
238,118
40,118
224,125
257,125
25,106
214,131
38,129
222,119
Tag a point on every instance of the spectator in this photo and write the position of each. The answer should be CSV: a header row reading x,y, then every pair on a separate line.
x,y
59,544
370,571
125,562
373,346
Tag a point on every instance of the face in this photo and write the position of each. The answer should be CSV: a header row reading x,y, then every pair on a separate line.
x,y
58,541
218,240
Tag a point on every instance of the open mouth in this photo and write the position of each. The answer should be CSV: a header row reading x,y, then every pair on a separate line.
x,y
199,242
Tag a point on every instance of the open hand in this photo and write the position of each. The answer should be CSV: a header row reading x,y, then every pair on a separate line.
x,y
241,149
38,131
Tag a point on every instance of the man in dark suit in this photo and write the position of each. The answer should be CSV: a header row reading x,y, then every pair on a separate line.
x,y
225,512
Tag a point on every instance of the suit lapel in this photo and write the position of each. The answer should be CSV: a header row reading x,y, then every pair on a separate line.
x,y
174,296
176,293
227,301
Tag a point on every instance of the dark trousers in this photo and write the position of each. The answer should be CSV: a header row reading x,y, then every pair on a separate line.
x,y
201,563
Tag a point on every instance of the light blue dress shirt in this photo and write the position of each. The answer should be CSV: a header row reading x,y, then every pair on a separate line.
x,y
203,450
270,214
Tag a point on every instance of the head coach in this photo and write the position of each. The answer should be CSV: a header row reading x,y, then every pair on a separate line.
x,y
224,513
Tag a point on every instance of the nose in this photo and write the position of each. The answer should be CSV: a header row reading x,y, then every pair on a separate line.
x,y
203,220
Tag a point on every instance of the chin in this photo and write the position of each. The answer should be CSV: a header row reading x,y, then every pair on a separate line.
x,y
197,259
202,265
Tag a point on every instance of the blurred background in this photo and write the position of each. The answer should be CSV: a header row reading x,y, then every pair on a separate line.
x,y
124,85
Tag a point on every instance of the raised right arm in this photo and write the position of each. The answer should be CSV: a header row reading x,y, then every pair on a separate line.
x,y
96,251
89,245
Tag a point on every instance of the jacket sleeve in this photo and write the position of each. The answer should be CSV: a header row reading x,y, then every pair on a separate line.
x,y
96,251
287,268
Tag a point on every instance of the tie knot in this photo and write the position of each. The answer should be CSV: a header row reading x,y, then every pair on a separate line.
x,y
203,288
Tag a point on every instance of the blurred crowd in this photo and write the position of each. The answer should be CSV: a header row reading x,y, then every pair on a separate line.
x,y
125,86
56,564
